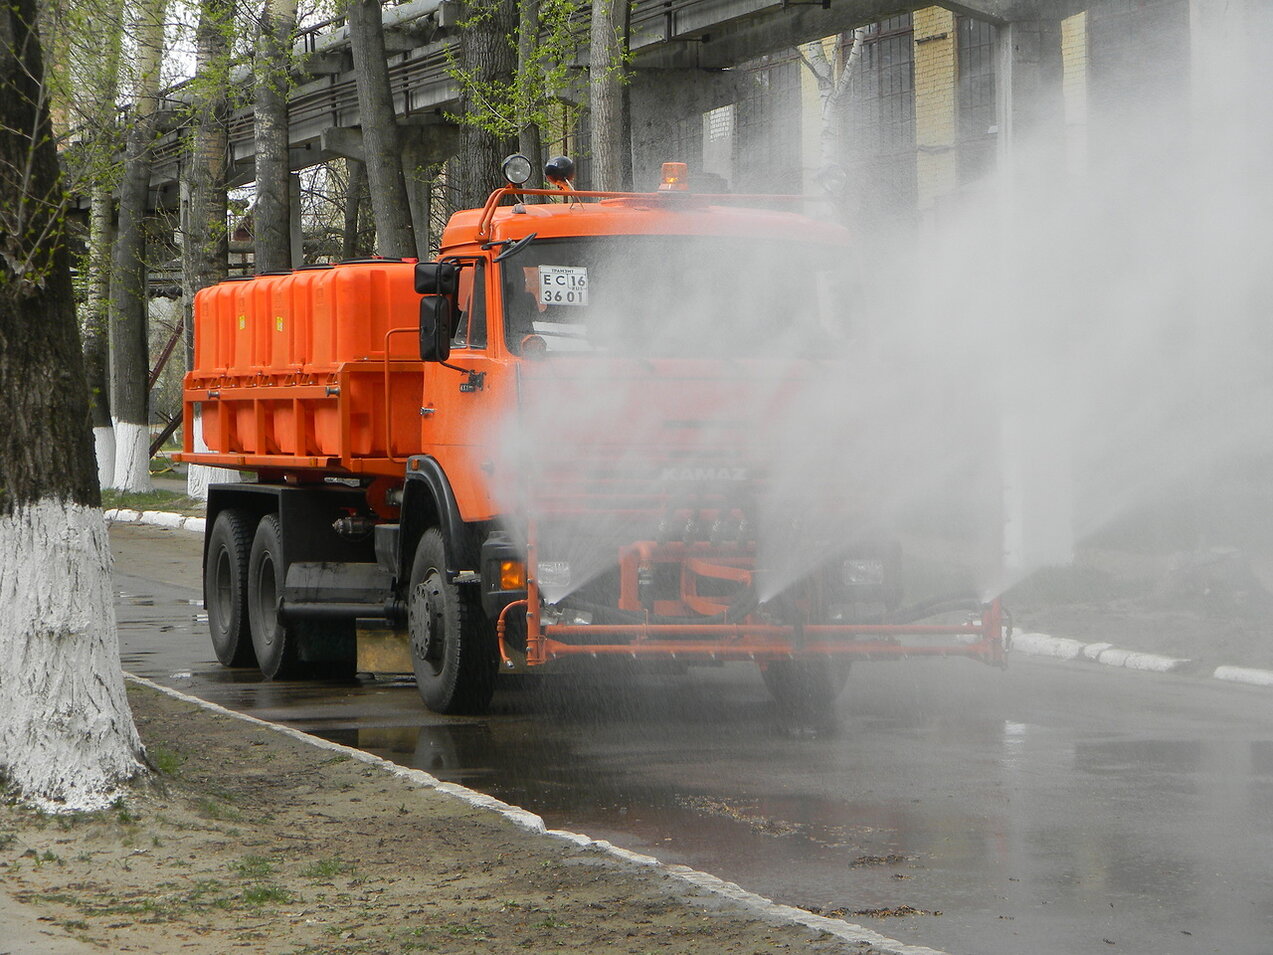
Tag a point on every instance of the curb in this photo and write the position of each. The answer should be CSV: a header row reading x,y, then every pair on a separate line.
x,y
532,823
122,515
1063,648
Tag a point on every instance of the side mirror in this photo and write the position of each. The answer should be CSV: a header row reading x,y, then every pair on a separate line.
x,y
437,278
435,328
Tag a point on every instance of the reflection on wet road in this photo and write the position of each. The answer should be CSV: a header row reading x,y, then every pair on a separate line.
x,y
1049,808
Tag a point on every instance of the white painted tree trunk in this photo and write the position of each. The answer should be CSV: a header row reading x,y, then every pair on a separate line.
x,y
67,740
132,457
104,446
199,476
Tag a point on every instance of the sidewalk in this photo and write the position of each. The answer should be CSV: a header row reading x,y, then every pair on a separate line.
x,y
261,839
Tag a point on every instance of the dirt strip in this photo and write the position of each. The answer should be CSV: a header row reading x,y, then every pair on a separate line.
x,y
251,840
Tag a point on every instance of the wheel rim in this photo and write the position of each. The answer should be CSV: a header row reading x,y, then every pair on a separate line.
x,y
267,599
222,594
428,629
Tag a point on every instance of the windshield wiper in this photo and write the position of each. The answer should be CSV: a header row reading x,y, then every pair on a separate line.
x,y
511,248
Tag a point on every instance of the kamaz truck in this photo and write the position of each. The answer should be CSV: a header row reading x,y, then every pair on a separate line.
x,y
565,439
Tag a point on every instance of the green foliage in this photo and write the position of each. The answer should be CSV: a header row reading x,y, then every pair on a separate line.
x,y
151,501
262,895
253,867
533,96
165,760
327,868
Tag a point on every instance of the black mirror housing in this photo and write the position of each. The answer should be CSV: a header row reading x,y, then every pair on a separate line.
x,y
435,328
437,278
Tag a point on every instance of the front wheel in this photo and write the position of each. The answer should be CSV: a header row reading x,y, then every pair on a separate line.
x,y
452,643
806,685
275,643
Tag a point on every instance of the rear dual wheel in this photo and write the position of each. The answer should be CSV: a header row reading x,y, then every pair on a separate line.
x,y
275,643
225,586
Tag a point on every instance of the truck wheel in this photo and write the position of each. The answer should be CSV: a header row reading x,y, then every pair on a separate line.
x,y
275,644
452,647
225,588
806,686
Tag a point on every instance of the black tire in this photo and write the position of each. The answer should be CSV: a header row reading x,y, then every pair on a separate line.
x,y
806,686
452,643
275,644
225,588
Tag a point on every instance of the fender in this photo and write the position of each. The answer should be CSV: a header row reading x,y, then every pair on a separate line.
x,y
428,501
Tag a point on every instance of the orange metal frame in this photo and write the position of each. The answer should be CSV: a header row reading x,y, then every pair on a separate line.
x,y
751,639
677,196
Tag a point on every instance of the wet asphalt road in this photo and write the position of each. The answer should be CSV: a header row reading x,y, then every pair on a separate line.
x,y
1051,808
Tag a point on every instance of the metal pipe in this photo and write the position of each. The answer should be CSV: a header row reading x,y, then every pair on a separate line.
x,y
500,628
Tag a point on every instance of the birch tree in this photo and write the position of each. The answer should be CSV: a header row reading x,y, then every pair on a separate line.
x,y
67,739
835,72
130,365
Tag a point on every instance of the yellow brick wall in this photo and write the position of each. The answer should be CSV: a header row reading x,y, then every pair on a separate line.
x,y
937,158
1074,89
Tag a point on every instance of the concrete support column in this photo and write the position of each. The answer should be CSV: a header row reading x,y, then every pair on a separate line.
x,y
661,99
1037,446
1228,75
424,148
1031,104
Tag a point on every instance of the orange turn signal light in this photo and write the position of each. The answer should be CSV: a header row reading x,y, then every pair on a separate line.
x,y
512,575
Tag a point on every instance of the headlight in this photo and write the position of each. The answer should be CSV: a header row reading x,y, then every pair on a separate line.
x,y
863,572
517,169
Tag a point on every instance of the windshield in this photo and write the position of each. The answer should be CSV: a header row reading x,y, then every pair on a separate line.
x,y
677,296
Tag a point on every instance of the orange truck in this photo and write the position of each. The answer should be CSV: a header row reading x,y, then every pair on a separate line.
x,y
540,448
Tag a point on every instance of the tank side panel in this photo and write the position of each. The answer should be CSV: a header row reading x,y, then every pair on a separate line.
x,y
293,373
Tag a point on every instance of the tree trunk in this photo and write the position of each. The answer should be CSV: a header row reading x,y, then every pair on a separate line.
x,y
130,361
206,249
96,84
101,235
605,95
529,142
273,219
355,189
382,146
67,739
490,58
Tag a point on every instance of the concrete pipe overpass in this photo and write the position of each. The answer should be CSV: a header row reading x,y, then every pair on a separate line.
x,y
688,44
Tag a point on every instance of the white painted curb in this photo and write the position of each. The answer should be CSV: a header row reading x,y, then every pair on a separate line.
x,y
1063,648
162,519
766,908
1135,660
1244,675
1042,645
122,515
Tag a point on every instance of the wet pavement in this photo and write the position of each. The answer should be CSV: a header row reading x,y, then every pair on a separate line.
x,y
1049,808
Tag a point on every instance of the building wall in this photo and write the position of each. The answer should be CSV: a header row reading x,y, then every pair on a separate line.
x,y
937,170
1074,62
